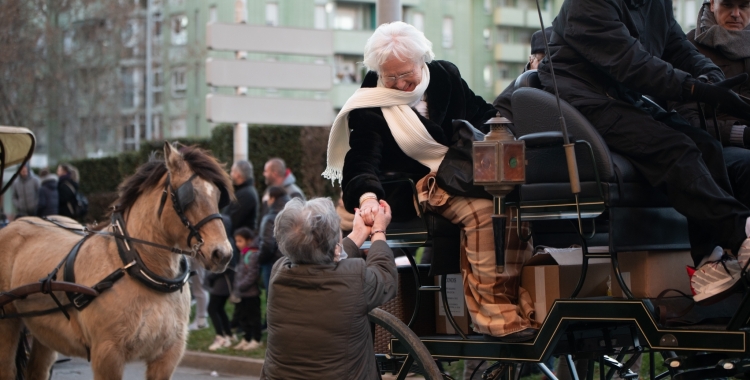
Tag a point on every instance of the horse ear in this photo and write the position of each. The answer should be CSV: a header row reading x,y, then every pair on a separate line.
x,y
172,157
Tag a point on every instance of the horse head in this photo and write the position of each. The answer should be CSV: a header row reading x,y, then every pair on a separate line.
x,y
196,187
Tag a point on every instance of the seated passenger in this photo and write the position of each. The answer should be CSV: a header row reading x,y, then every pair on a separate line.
x,y
723,36
401,120
317,301
606,54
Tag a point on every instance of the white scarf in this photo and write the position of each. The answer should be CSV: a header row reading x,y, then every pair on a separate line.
x,y
410,134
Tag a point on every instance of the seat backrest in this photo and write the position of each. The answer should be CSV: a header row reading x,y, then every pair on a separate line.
x,y
529,78
535,111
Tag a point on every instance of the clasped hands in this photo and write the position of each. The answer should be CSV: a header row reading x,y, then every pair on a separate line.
x,y
372,217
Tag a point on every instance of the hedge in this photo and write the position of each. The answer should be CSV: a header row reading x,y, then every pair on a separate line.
x,y
302,148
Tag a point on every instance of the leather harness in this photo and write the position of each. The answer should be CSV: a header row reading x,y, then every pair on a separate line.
x,y
81,296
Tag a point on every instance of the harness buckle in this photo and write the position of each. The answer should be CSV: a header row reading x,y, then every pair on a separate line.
x,y
80,301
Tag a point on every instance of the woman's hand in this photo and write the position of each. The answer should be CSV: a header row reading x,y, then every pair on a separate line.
x,y
360,231
368,209
382,219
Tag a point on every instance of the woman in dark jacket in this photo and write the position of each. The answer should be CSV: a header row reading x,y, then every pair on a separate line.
x,y
402,120
318,301
48,194
67,188
268,249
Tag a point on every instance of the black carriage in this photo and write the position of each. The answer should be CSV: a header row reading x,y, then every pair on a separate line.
x,y
616,208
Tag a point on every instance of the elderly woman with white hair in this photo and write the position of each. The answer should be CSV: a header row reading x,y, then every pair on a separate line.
x,y
318,299
402,120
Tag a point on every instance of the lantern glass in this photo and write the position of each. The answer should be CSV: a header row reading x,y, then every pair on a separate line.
x,y
485,162
513,162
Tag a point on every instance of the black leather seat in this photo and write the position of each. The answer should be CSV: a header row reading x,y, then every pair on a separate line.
x,y
629,213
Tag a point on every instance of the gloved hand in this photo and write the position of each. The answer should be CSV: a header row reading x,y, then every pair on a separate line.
x,y
720,95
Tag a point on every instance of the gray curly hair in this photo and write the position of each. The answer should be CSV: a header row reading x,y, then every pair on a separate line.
x,y
400,40
307,231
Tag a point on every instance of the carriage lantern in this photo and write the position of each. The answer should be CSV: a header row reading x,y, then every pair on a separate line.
x,y
499,165
499,160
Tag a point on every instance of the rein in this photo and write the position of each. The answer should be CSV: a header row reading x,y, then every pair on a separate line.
x,y
79,295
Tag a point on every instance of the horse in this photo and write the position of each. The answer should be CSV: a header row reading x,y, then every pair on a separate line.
x,y
133,320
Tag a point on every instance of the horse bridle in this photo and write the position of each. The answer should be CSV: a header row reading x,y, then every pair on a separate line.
x,y
182,197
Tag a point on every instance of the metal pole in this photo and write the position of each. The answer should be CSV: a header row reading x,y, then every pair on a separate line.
x,y
388,11
240,129
149,69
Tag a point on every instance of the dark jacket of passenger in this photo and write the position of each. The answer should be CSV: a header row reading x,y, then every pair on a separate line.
x,y
269,250
374,150
244,210
48,196
317,315
621,49
67,189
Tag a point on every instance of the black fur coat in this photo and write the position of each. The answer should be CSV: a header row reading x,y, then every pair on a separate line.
x,y
374,152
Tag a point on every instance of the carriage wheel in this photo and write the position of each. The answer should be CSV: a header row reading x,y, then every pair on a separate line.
x,y
418,353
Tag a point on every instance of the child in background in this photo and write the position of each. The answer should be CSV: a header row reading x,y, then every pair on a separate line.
x,y
246,287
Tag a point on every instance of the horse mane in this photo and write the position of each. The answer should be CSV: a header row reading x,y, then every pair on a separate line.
x,y
148,175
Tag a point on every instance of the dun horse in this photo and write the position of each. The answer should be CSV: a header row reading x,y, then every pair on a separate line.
x,y
129,321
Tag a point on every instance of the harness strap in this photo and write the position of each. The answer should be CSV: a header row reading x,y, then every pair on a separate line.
x,y
138,270
164,196
194,230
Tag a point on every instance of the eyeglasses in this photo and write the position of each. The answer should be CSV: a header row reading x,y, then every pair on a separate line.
x,y
393,79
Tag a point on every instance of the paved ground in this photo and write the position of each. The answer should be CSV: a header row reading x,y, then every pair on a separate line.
x,y
79,369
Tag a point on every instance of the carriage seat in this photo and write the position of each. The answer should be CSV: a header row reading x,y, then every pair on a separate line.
x,y
610,184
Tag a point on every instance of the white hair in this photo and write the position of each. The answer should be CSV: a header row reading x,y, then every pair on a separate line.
x,y
400,40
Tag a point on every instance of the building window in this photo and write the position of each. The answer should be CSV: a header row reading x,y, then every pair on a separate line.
x,y
487,76
178,128
417,20
488,6
321,17
127,79
157,85
179,30
348,69
158,19
213,14
346,17
272,14
179,82
447,32
487,35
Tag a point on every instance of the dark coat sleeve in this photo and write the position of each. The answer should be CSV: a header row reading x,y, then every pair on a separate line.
x,y
351,248
361,170
476,110
267,245
595,30
684,56
380,275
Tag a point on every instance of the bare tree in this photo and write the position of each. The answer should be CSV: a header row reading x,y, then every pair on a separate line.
x,y
60,70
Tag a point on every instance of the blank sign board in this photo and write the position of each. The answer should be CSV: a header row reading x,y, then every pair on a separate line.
x,y
269,39
277,111
282,75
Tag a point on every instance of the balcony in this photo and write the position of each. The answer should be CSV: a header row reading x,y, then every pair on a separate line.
x,y
513,53
341,93
350,41
521,18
